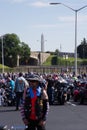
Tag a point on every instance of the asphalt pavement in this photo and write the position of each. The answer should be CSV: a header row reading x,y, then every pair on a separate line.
x,y
67,117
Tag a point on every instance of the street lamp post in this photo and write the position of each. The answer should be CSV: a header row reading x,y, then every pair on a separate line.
x,y
76,11
2,55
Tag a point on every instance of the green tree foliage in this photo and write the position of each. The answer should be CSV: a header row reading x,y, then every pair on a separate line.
x,y
54,60
25,53
13,47
56,52
82,49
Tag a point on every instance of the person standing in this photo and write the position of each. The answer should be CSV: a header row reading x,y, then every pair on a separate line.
x,y
11,84
35,106
20,84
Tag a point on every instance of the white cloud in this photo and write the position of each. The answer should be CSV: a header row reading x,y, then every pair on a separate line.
x,y
80,18
65,19
39,4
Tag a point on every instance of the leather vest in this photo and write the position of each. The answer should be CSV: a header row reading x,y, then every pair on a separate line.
x,y
38,106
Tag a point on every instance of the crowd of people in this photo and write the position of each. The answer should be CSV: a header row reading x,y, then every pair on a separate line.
x,y
13,84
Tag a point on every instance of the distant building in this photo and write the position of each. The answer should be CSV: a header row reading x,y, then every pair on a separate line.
x,y
42,43
66,54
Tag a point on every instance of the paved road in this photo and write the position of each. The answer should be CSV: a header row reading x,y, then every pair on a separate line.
x,y
67,117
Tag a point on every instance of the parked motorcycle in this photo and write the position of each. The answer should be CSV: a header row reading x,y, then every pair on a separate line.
x,y
60,94
9,97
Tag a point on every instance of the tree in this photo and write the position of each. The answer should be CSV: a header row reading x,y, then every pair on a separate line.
x,y
54,61
12,48
25,53
82,49
56,52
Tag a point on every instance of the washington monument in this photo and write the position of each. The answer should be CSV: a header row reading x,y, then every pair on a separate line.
x,y
42,43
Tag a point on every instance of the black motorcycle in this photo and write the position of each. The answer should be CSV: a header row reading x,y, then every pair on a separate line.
x,y
59,93
9,97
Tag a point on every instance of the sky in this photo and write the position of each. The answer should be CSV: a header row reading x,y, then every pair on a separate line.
x,y
31,18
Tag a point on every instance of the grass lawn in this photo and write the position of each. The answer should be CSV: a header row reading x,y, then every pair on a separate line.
x,y
2,66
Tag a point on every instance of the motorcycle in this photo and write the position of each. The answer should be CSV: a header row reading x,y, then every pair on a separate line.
x,y
9,97
60,94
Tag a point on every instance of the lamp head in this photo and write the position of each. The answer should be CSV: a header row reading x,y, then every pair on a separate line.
x,y
54,3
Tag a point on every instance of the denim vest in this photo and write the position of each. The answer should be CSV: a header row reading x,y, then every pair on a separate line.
x,y
19,84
